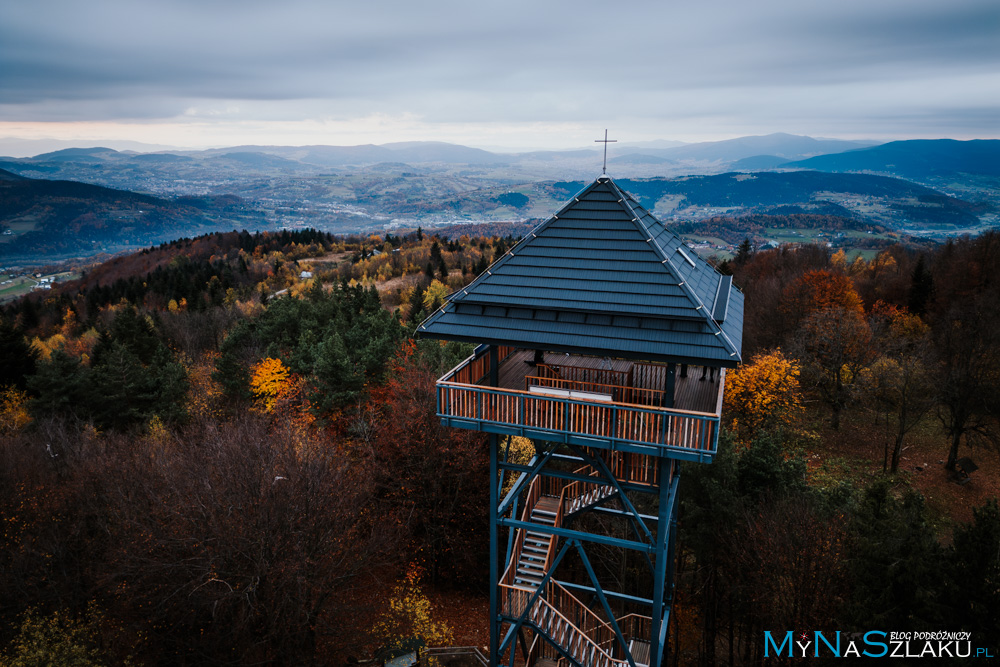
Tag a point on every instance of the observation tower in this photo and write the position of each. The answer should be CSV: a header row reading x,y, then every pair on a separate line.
x,y
605,340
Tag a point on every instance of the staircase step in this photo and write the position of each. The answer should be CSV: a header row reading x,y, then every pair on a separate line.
x,y
640,652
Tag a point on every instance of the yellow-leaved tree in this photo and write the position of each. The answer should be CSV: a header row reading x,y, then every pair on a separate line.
x,y
408,622
762,394
434,296
13,410
521,450
269,382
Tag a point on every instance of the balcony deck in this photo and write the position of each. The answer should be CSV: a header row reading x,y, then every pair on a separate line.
x,y
608,403
690,393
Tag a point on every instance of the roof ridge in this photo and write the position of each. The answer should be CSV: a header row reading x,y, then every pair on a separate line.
x,y
497,263
651,240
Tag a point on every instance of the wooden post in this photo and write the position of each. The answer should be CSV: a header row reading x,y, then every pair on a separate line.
x,y
668,388
494,366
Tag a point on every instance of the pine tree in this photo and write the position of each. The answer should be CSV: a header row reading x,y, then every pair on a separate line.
x,y
17,357
744,252
921,287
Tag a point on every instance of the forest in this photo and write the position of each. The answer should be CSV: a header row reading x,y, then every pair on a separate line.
x,y
224,450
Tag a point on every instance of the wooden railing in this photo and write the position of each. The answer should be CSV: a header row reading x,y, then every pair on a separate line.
x,y
634,468
623,422
579,495
618,393
474,369
507,580
580,632
585,375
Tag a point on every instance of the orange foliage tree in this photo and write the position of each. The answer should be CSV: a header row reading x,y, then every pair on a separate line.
x,y
13,410
762,394
821,290
269,381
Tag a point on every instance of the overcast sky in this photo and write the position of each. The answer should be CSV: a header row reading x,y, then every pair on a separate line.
x,y
539,74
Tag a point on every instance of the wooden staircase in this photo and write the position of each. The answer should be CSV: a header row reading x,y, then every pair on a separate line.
x,y
533,558
557,613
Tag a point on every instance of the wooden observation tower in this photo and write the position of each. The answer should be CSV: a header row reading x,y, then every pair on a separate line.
x,y
603,339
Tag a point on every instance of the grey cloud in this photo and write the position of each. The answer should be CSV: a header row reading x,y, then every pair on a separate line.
x,y
467,61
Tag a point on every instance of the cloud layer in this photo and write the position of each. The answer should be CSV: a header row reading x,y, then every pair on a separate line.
x,y
455,69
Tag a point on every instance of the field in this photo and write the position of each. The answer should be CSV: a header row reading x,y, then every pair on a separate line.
x,y
21,285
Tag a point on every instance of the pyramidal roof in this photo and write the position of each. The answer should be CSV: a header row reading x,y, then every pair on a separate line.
x,y
602,277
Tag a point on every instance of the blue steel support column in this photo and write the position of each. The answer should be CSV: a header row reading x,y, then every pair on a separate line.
x,y
660,562
494,528
494,544
672,544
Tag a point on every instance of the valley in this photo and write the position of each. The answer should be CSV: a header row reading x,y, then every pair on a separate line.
x,y
82,201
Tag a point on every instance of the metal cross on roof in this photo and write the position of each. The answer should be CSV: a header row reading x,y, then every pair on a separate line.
x,y
605,141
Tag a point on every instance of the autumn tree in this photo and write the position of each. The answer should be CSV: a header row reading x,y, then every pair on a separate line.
x,y
821,290
764,278
762,394
965,316
900,380
246,544
434,296
269,381
434,481
834,345
408,622
13,410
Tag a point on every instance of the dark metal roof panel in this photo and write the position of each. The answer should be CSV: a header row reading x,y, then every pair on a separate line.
x,y
610,340
605,255
589,305
596,285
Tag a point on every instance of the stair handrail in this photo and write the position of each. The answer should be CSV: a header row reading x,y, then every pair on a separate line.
x,y
593,644
534,493
557,522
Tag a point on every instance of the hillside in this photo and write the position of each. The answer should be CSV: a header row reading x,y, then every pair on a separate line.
x,y
892,202
248,375
918,159
43,218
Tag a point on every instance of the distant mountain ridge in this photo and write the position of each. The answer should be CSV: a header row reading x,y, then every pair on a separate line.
x,y
787,146
915,158
779,144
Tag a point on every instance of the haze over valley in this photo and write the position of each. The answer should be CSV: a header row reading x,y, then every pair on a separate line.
x,y
919,188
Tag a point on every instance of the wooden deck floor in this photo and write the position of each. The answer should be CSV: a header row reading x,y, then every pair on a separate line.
x,y
690,393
